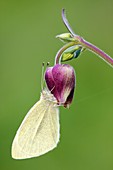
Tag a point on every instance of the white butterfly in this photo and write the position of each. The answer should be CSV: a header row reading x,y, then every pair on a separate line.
x,y
39,131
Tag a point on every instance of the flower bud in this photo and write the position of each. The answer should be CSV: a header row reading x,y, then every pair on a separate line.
x,y
71,52
60,80
66,37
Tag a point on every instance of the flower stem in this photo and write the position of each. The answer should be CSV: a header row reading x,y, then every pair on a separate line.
x,y
97,51
85,43
58,55
66,23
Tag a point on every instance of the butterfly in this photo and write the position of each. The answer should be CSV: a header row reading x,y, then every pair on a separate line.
x,y
39,131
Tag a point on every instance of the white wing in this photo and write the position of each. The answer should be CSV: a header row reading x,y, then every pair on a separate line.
x,y
39,131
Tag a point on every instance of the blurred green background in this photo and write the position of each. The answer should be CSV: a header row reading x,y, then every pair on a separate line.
x,y
27,38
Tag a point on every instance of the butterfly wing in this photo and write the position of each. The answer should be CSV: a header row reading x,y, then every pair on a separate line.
x,y
39,131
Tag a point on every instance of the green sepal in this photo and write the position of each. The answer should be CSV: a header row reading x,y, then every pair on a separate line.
x,y
71,53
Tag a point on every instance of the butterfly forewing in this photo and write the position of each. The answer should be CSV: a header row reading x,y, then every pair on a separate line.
x,y
39,131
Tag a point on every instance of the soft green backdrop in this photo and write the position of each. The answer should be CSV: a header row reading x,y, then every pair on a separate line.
x,y
27,38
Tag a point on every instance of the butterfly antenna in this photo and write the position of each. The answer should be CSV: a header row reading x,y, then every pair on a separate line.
x,y
48,64
42,77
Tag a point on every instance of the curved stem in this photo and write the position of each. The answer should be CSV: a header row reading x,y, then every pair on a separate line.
x,y
86,44
67,23
58,55
97,51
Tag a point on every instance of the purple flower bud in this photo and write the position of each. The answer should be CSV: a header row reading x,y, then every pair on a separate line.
x,y
60,81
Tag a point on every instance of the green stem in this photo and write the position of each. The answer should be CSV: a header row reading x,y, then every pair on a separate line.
x,y
58,55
